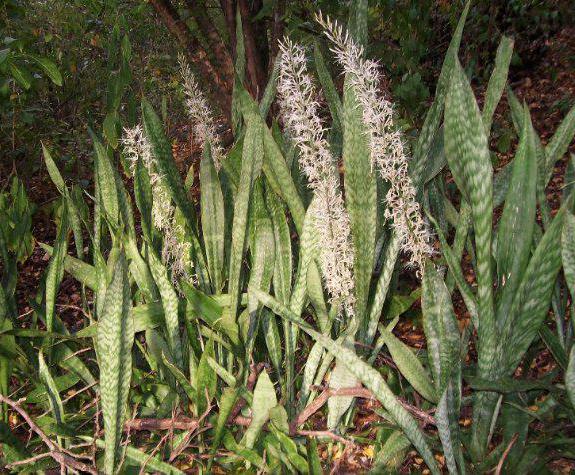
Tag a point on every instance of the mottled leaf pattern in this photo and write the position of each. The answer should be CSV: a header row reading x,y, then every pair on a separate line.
x,y
115,339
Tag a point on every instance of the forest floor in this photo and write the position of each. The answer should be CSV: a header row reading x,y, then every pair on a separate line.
x,y
548,88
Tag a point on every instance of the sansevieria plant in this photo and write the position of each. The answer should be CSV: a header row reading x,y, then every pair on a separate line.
x,y
218,325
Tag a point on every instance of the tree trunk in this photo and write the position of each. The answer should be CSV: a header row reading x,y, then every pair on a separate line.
x,y
221,91
209,31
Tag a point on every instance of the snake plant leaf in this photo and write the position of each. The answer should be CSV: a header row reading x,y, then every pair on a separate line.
x,y
115,339
314,462
140,270
507,385
360,199
170,176
313,360
213,219
53,171
497,81
357,21
433,116
391,454
340,378
180,377
308,250
105,177
515,424
252,157
570,377
264,401
440,327
559,143
165,164
328,87
75,203
143,459
409,365
144,198
62,383
283,267
533,296
55,270
456,271
226,403
263,259
447,419
568,252
54,399
382,286
206,379
515,232
274,164
170,306
368,376
271,89
468,157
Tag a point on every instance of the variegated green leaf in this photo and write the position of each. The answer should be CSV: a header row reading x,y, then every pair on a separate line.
x,y
341,377
559,143
115,339
213,220
468,157
570,377
360,199
409,365
533,296
252,157
497,81
264,400
54,400
515,232
568,252
369,377
105,178
170,306
433,117
55,270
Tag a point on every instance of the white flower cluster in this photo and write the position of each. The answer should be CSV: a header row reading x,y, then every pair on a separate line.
x,y
203,124
136,147
385,142
175,250
299,109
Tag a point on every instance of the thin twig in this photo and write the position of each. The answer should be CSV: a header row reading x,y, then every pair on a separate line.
x,y
360,392
499,467
60,455
156,449
186,441
35,458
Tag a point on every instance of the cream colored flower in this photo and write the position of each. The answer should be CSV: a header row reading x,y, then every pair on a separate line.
x,y
387,150
200,113
299,108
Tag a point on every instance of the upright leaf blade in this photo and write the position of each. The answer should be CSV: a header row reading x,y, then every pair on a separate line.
x,y
252,157
497,81
515,232
467,153
360,199
115,339
213,219
369,376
